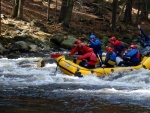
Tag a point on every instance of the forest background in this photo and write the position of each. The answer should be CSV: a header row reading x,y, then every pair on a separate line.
x,y
104,18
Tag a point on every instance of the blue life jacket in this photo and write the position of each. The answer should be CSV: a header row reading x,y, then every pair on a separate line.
x,y
96,45
134,55
113,56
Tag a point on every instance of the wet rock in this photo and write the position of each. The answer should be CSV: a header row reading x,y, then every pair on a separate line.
x,y
41,63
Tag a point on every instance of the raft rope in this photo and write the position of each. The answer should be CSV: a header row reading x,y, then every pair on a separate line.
x,y
83,68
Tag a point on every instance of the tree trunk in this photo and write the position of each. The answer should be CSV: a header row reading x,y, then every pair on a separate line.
x,y
144,12
128,12
121,12
48,10
20,9
63,11
69,13
114,13
15,8
138,13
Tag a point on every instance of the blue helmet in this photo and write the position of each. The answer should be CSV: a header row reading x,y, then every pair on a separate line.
x,y
92,36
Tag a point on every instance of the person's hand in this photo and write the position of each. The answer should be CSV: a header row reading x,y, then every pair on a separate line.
x,y
103,65
89,41
139,26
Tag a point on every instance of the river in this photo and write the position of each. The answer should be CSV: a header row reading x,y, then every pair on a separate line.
x,y
26,88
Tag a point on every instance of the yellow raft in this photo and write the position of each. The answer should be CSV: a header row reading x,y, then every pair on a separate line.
x,y
70,68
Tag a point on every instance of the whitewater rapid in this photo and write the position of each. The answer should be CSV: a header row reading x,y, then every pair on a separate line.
x,y
23,73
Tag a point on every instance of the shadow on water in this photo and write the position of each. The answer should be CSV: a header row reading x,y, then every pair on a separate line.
x,y
64,105
43,99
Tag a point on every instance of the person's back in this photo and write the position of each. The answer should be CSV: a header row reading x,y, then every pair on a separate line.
x,y
119,46
90,59
95,44
132,58
110,59
80,48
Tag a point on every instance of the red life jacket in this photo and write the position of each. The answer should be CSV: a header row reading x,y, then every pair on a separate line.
x,y
138,55
82,50
92,59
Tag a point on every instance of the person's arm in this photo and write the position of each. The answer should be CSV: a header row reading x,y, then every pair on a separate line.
x,y
143,32
84,56
131,53
73,51
85,48
95,43
107,57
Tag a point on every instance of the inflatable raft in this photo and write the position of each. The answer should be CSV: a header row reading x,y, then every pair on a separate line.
x,y
71,67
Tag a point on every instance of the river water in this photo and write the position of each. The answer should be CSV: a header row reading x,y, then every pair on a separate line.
x,y
26,88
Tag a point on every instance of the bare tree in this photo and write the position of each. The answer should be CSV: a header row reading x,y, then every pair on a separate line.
x,y
15,8
114,13
48,10
20,9
69,13
17,11
128,12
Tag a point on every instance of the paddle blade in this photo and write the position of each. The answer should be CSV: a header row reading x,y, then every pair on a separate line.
x,y
69,57
55,55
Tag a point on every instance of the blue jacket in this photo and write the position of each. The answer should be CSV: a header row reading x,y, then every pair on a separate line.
x,y
96,45
110,56
145,42
133,55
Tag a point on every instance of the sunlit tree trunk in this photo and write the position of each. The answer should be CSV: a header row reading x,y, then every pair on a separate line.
x,y
15,8
20,9
17,11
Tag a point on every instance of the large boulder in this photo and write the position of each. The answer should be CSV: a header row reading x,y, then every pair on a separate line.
x,y
57,39
2,49
68,43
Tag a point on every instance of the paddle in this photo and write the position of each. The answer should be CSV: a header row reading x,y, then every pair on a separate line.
x,y
57,54
99,59
67,57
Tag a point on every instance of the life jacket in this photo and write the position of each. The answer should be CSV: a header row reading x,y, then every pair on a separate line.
x,y
138,55
113,56
96,46
92,59
120,47
82,50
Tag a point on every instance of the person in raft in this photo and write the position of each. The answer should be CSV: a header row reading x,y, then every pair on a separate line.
x,y
131,58
119,47
110,59
144,40
80,48
89,59
96,45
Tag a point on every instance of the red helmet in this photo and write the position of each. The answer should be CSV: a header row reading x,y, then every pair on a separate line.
x,y
90,50
113,38
133,46
78,42
108,49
